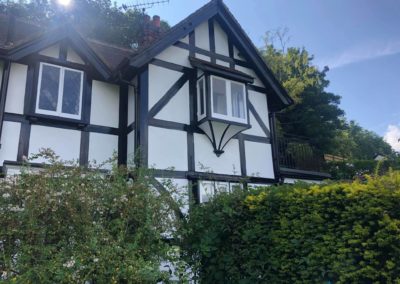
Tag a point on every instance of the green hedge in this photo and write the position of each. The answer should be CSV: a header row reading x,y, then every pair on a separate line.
x,y
339,232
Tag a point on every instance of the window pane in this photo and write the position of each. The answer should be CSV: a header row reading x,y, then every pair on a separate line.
x,y
201,96
48,95
238,100
71,92
219,96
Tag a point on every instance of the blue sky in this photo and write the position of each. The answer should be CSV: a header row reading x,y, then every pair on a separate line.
x,y
358,39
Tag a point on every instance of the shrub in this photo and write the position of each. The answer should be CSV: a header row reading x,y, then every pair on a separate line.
x,y
72,225
338,232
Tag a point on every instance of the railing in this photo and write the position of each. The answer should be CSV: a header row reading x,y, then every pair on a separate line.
x,y
297,153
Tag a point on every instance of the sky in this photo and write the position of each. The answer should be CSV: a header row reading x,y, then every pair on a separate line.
x,y
359,40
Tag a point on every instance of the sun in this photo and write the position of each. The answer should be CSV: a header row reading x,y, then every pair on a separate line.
x,y
65,3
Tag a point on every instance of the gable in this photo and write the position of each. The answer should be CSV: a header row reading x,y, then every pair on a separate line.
x,y
217,34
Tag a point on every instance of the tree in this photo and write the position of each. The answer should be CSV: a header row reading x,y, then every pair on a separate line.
x,y
100,19
316,113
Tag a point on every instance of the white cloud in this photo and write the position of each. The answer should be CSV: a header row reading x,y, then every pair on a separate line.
x,y
392,137
360,53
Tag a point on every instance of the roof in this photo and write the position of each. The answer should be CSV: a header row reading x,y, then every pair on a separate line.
x,y
19,38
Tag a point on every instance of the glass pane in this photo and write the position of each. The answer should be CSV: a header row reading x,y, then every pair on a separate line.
x,y
238,100
71,92
219,96
201,96
48,95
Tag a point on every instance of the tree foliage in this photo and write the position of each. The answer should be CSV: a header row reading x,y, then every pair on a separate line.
x,y
73,225
338,232
316,113
100,20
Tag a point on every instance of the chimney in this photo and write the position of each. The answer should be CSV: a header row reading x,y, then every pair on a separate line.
x,y
156,21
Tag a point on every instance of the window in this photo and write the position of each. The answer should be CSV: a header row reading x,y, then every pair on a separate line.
x,y
208,189
228,100
59,91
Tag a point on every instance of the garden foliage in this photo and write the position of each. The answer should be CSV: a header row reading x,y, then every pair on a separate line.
x,y
72,225
338,232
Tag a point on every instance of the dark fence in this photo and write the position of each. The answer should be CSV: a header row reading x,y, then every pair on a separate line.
x,y
297,153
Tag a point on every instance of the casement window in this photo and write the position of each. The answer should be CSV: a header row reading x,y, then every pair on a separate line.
x,y
228,100
59,91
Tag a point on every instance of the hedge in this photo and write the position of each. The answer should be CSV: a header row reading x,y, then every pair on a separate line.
x,y
331,233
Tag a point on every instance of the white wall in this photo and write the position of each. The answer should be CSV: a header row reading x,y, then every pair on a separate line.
x,y
131,105
175,55
167,148
251,73
51,51
259,159
131,148
72,56
16,88
102,147
65,142
105,104
259,101
202,38
178,108
207,161
294,180
9,141
221,40
179,190
160,81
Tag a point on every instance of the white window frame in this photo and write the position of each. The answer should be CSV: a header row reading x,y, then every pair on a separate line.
x,y
229,115
201,116
59,112
211,188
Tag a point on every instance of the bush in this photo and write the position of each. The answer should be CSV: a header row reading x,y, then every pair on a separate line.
x,y
338,232
71,225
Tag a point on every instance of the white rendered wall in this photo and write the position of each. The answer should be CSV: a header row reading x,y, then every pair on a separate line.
x,y
259,101
179,191
202,38
131,105
221,40
178,108
259,159
131,148
16,88
175,55
207,161
9,141
105,104
251,73
102,147
167,149
160,81
51,51
65,142
72,56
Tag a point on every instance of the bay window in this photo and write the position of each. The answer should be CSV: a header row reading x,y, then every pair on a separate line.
x,y
59,91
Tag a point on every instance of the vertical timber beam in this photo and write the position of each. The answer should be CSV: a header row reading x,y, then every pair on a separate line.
x,y
123,125
142,118
3,93
274,146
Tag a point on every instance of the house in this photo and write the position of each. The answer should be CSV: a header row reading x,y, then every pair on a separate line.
x,y
198,104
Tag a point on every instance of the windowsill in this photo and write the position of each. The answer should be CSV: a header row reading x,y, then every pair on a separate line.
x,y
227,121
